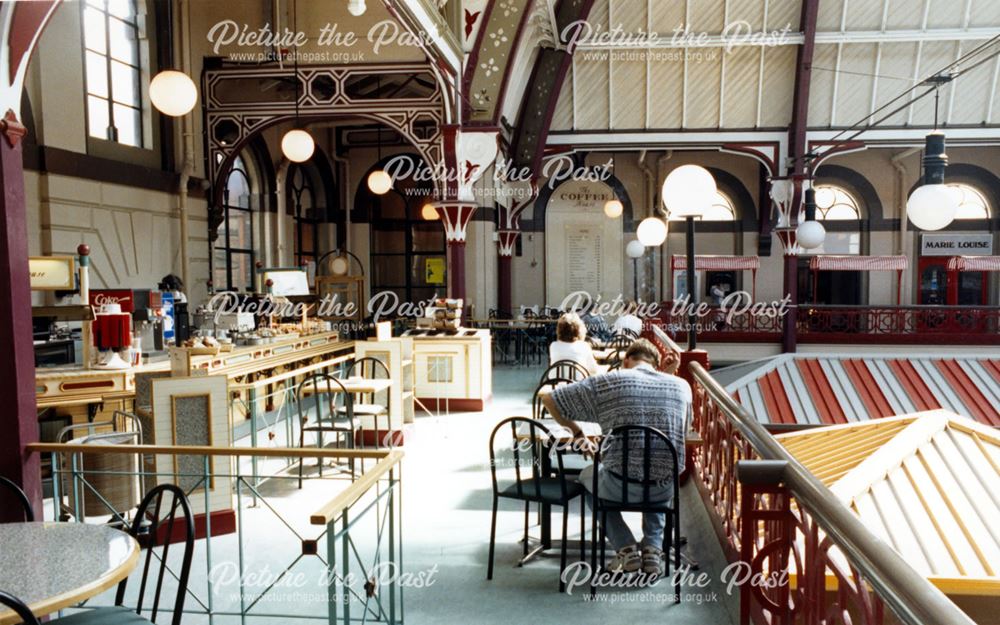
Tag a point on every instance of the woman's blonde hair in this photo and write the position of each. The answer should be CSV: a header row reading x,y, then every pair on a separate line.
x,y
570,328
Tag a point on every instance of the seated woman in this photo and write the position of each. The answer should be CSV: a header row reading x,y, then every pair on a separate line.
x,y
570,344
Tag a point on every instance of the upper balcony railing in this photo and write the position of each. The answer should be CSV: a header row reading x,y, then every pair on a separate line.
x,y
808,560
899,325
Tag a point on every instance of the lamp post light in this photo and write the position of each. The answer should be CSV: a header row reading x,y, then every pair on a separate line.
x,y
688,192
635,250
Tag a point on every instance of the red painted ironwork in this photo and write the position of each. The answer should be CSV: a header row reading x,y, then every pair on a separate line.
x,y
764,527
897,325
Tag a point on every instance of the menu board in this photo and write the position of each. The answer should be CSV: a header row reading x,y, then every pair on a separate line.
x,y
582,261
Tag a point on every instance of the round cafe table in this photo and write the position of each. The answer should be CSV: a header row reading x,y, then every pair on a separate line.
x,y
51,566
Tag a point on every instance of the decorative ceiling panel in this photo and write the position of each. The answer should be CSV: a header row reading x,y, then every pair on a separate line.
x,y
702,102
628,85
778,87
562,119
591,78
985,13
782,13
949,13
934,55
629,15
867,15
895,75
824,81
854,90
741,85
830,15
490,62
666,16
707,16
749,11
972,95
903,15
666,84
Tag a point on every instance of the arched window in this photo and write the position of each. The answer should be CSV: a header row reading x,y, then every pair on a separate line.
x,y
722,209
307,216
111,36
233,256
973,204
835,204
408,248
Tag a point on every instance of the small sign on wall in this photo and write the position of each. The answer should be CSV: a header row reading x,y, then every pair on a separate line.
x,y
947,244
434,271
52,273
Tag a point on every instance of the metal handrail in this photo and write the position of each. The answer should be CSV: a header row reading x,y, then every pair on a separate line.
x,y
908,593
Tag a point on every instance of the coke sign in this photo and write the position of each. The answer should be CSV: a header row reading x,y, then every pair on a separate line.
x,y
122,297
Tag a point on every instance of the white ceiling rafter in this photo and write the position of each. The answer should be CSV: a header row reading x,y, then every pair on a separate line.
x,y
722,73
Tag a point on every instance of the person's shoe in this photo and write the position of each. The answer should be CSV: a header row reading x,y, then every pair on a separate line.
x,y
627,560
652,561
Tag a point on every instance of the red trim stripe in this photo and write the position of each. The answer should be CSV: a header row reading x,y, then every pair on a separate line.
x,y
868,388
778,407
914,385
993,367
821,392
972,397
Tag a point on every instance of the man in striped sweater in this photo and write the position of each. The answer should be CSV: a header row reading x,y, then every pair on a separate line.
x,y
637,394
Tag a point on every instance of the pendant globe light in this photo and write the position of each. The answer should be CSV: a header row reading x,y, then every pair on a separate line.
x,y
635,249
689,191
379,181
297,145
810,234
613,208
652,231
356,7
173,93
429,213
933,205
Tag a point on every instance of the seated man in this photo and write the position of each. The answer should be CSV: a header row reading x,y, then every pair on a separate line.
x,y
637,394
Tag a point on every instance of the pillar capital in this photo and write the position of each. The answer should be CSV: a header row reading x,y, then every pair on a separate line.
x,y
507,241
789,241
455,216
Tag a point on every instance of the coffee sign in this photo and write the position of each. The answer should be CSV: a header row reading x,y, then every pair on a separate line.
x,y
956,245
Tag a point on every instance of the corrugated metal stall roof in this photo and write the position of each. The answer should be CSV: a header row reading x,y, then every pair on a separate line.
x,y
828,390
928,484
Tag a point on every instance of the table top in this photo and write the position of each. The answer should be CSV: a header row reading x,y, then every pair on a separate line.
x,y
51,566
560,433
353,385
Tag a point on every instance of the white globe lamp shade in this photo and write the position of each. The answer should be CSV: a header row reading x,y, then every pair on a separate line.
x,y
356,7
297,146
340,266
635,249
689,191
810,234
173,93
614,208
429,213
652,231
379,182
932,206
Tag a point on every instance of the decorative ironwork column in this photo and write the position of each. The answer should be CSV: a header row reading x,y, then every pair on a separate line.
x,y
786,192
456,217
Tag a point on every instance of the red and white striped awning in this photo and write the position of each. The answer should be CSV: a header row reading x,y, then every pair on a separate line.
x,y
974,263
717,263
858,263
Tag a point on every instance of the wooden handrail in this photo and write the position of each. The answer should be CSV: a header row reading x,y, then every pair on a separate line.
x,y
913,598
356,490
200,450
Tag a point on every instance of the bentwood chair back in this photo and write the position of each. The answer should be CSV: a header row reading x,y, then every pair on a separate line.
x,y
633,443
19,608
163,519
529,448
12,497
538,410
566,369
325,406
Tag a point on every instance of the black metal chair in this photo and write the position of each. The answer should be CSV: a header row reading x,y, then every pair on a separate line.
x,y
537,408
618,346
626,436
535,481
18,495
565,369
328,418
19,608
156,527
369,404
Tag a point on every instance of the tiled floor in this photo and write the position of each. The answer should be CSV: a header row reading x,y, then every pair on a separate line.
x,y
447,496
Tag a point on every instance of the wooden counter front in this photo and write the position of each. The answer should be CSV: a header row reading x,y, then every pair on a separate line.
x,y
69,387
